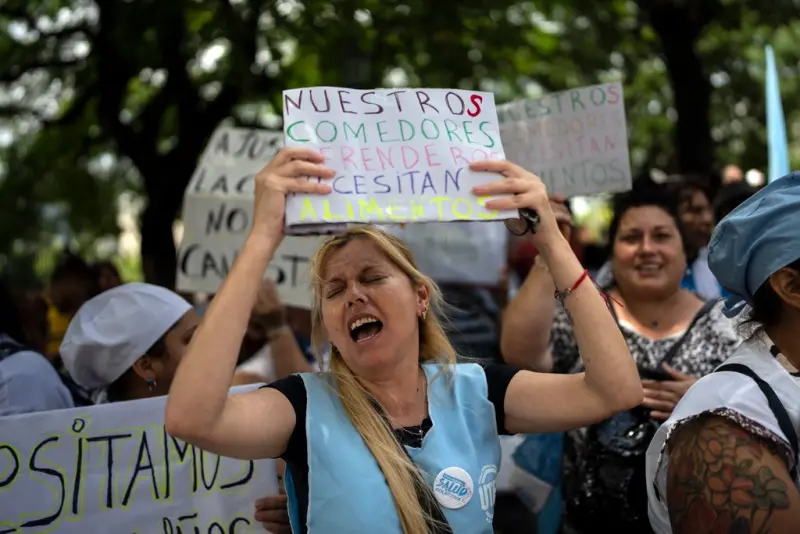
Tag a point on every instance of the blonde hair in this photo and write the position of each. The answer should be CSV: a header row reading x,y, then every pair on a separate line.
x,y
402,476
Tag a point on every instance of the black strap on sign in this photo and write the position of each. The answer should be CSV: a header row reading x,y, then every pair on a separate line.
x,y
775,404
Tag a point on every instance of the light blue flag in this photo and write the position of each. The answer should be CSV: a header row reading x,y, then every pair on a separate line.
x,y
776,124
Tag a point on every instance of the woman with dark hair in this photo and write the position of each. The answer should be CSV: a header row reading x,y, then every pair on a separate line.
x,y
107,275
72,283
674,337
730,197
727,458
28,383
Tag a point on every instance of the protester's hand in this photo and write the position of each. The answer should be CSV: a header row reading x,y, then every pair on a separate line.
x,y
281,176
526,190
661,396
273,514
268,313
267,301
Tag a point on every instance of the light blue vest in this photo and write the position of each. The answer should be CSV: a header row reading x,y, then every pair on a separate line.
x,y
347,490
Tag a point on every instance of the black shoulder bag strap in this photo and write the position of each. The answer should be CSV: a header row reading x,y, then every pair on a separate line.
x,y
775,404
673,350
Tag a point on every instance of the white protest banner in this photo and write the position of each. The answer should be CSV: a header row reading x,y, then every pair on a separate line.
x,y
401,155
231,160
112,469
575,141
214,231
458,253
217,215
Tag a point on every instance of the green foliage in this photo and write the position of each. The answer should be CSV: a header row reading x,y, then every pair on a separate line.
x,y
114,95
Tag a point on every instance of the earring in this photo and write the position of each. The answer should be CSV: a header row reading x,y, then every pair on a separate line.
x,y
151,384
424,313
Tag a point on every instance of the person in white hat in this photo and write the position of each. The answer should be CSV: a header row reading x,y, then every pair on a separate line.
x,y
126,343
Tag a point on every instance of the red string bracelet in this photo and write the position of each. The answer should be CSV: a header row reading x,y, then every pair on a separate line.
x,y
562,295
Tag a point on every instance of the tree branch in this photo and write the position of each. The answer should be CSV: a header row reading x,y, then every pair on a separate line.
x,y
114,73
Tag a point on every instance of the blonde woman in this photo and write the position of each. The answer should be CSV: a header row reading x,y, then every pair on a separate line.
x,y
397,437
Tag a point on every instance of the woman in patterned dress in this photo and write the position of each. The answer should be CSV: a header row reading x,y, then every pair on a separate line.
x,y
603,472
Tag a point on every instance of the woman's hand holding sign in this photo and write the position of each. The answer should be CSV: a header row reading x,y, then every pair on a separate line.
x,y
528,192
282,176
611,381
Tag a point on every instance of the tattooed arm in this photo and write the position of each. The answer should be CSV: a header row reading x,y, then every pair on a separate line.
x,y
724,480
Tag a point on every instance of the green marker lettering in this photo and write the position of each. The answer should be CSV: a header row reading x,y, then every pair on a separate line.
x,y
291,136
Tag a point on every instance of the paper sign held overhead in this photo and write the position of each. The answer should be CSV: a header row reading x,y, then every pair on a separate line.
x,y
112,469
576,141
401,155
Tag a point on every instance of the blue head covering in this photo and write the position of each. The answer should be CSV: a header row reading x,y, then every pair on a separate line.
x,y
757,239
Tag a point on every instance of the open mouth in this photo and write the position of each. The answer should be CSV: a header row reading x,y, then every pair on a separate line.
x,y
365,328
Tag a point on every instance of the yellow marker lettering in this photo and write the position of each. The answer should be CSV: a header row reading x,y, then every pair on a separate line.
x,y
417,210
326,212
350,214
176,454
235,520
44,473
14,466
462,214
141,465
492,213
237,484
438,201
307,211
78,505
367,207
396,213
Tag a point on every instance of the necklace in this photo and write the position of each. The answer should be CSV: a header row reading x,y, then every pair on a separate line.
x,y
416,431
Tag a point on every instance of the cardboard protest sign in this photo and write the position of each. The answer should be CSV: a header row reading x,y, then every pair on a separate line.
x,y
213,234
112,469
401,155
231,160
217,216
575,141
459,253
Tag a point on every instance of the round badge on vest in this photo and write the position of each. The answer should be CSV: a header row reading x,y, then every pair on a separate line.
x,y
453,488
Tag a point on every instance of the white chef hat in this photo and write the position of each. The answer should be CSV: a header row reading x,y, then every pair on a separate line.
x,y
115,328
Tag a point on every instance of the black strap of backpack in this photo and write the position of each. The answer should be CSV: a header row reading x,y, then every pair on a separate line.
x,y
775,404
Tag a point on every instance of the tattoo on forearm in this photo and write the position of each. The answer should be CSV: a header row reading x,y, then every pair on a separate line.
x,y
717,484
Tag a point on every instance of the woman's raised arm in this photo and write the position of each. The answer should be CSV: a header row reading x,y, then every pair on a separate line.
x,y
257,424
549,402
